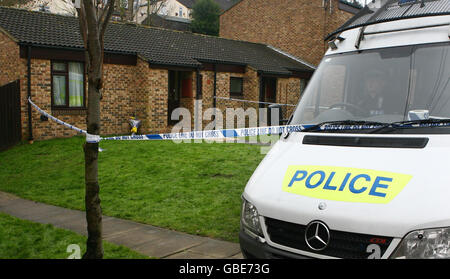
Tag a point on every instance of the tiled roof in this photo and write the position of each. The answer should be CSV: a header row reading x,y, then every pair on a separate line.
x,y
187,3
157,46
168,22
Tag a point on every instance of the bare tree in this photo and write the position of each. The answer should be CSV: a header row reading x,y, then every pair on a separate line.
x,y
93,18
123,8
130,10
154,7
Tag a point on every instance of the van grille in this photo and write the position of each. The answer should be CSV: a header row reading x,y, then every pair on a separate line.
x,y
342,244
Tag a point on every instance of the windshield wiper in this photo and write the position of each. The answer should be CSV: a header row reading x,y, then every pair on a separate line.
x,y
433,122
363,123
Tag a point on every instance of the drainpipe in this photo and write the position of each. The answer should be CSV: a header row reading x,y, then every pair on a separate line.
x,y
215,91
215,85
30,127
198,102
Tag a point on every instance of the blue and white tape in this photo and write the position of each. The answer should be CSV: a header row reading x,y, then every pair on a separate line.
x,y
233,133
210,134
89,138
215,134
81,131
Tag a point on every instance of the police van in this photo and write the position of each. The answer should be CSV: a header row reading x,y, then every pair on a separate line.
x,y
377,183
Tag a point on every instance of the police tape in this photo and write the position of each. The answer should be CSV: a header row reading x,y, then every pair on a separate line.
x,y
194,135
216,134
44,113
236,133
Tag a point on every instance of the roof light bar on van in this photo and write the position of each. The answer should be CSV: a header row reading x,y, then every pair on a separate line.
x,y
363,28
372,20
406,29
402,2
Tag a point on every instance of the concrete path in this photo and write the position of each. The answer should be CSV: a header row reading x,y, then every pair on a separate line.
x,y
146,239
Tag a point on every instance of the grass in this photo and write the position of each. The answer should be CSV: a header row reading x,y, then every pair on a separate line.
x,y
190,187
21,239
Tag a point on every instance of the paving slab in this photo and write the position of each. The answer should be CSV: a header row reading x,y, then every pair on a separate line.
x,y
237,256
187,255
137,237
6,197
78,225
170,244
217,248
113,226
29,210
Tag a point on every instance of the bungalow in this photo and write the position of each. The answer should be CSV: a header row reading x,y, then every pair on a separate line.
x,y
148,72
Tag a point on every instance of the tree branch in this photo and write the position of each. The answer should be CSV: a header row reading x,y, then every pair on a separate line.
x,y
106,16
83,24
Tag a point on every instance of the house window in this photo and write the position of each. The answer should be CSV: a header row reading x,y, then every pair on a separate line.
x,y
236,86
181,11
67,84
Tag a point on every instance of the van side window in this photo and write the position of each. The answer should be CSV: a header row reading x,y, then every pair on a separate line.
x,y
430,81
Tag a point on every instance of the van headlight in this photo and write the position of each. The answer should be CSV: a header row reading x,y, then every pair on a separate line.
x,y
425,244
250,218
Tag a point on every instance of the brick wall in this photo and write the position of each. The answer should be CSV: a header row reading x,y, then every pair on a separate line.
x,y
128,91
295,26
116,106
9,60
156,100
288,91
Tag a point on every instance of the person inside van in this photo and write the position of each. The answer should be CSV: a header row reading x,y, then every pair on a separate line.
x,y
374,87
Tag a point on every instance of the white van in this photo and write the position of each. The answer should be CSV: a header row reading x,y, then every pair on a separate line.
x,y
377,185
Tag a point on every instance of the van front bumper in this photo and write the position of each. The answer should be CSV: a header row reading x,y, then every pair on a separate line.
x,y
253,249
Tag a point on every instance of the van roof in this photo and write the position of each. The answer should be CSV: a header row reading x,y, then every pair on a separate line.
x,y
390,10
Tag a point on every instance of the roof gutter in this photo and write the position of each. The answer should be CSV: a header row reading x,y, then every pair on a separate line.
x,y
215,88
213,61
24,43
292,57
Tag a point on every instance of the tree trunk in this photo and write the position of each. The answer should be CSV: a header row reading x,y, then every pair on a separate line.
x,y
92,202
130,11
94,58
92,198
93,20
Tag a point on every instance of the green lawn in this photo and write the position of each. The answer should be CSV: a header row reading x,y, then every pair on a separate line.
x,y
190,187
21,239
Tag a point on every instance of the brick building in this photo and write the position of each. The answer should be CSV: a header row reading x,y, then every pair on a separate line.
x,y
148,72
295,26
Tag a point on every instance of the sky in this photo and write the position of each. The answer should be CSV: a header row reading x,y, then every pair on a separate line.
x,y
361,1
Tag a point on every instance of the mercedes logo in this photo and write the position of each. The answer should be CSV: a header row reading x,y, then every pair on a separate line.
x,y
317,235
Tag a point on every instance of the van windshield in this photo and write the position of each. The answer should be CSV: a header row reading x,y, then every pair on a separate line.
x,y
381,85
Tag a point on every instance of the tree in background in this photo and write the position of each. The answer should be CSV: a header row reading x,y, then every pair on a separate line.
x,y
93,18
154,7
205,17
